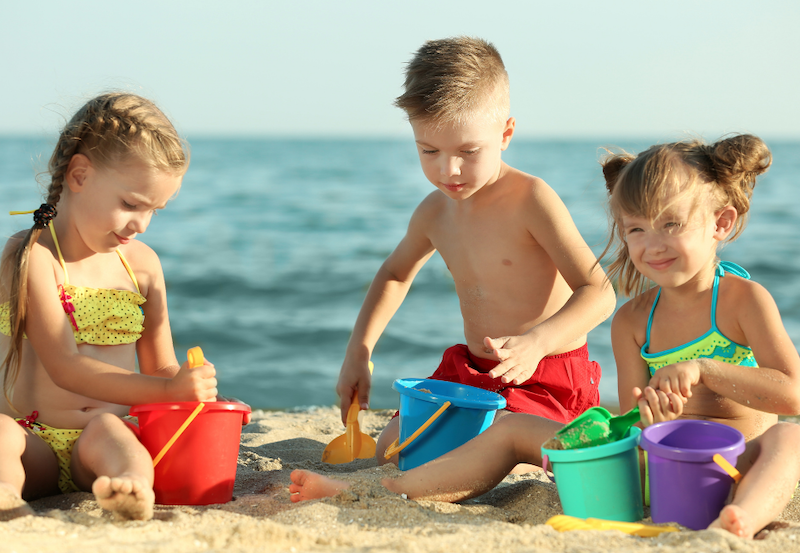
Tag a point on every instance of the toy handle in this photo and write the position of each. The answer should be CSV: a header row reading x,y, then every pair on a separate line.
x,y
394,448
727,467
196,359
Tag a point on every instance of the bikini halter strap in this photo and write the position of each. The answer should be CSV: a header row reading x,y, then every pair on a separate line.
x,y
61,257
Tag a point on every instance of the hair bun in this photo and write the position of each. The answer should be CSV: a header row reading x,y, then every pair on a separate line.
x,y
613,166
740,158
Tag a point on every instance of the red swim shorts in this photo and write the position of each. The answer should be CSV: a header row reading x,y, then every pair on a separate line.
x,y
563,386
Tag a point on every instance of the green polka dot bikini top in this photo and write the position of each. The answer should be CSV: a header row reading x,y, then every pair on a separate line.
x,y
711,345
98,316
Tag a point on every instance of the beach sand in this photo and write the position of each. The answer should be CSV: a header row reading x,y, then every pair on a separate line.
x,y
366,518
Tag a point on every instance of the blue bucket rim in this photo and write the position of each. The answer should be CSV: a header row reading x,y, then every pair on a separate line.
x,y
692,455
630,441
479,398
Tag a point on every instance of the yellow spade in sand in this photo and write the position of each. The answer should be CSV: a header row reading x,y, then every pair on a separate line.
x,y
353,444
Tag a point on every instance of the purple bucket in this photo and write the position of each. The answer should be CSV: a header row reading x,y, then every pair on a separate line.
x,y
686,485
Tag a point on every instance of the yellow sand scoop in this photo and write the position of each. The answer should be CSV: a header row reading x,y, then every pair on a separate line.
x,y
353,444
564,523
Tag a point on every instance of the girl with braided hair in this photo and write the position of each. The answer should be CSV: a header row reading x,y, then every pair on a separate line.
x,y
705,342
81,301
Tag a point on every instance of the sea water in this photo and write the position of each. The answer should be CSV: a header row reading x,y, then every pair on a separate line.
x,y
271,244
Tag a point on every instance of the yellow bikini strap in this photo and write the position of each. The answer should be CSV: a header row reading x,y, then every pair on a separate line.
x,y
60,257
55,240
130,271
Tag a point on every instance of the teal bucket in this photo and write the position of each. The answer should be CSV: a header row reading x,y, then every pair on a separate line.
x,y
471,411
601,481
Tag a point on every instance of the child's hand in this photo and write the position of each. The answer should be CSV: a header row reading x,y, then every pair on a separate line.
x,y
518,356
194,383
677,378
354,378
657,406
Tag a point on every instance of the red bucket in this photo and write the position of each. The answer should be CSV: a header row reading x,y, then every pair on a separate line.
x,y
200,467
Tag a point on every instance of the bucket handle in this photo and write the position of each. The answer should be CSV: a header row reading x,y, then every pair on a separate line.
x,y
727,467
394,448
196,359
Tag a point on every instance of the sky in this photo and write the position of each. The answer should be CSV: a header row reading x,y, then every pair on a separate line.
x,y
578,69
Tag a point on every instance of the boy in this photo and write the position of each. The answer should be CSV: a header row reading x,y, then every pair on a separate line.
x,y
529,286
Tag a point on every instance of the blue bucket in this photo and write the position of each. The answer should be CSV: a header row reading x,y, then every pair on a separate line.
x,y
471,411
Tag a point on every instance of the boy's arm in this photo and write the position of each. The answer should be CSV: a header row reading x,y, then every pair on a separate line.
x,y
773,386
384,297
592,299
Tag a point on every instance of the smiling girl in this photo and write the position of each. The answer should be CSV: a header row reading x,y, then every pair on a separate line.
x,y
705,342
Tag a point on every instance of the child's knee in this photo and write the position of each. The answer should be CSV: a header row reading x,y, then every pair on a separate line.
x,y
12,435
389,434
781,435
107,427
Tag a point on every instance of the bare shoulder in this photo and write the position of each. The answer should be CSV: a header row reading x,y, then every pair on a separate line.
x,y
11,245
9,252
744,296
633,314
432,204
140,253
144,263
429,210
533,195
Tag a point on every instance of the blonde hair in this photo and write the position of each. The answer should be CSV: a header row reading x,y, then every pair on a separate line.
x,y
109,129
648,184
455,80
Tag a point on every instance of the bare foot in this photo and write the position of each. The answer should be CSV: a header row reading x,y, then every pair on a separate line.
x,y
128,496
735,520
311,485
524,468
11,504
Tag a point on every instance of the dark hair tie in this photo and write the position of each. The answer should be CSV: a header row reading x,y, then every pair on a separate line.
x,y
43,215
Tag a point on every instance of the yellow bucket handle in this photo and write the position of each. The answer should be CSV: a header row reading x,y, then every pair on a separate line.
x,y
394,448
196,359
727,467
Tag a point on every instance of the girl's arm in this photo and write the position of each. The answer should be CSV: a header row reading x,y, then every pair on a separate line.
x,y
154,350
384,297
633,373
50,334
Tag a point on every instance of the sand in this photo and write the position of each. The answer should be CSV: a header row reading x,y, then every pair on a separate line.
x,y
262,518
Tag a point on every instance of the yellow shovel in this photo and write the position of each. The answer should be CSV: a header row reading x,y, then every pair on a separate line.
x,y
353,444
564,523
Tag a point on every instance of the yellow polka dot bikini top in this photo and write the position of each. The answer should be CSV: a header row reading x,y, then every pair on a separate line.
x,y
98,316
712,345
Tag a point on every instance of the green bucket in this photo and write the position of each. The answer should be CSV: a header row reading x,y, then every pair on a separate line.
x,y
601,481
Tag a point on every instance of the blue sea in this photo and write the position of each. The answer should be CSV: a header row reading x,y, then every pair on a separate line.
x,y
271,244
